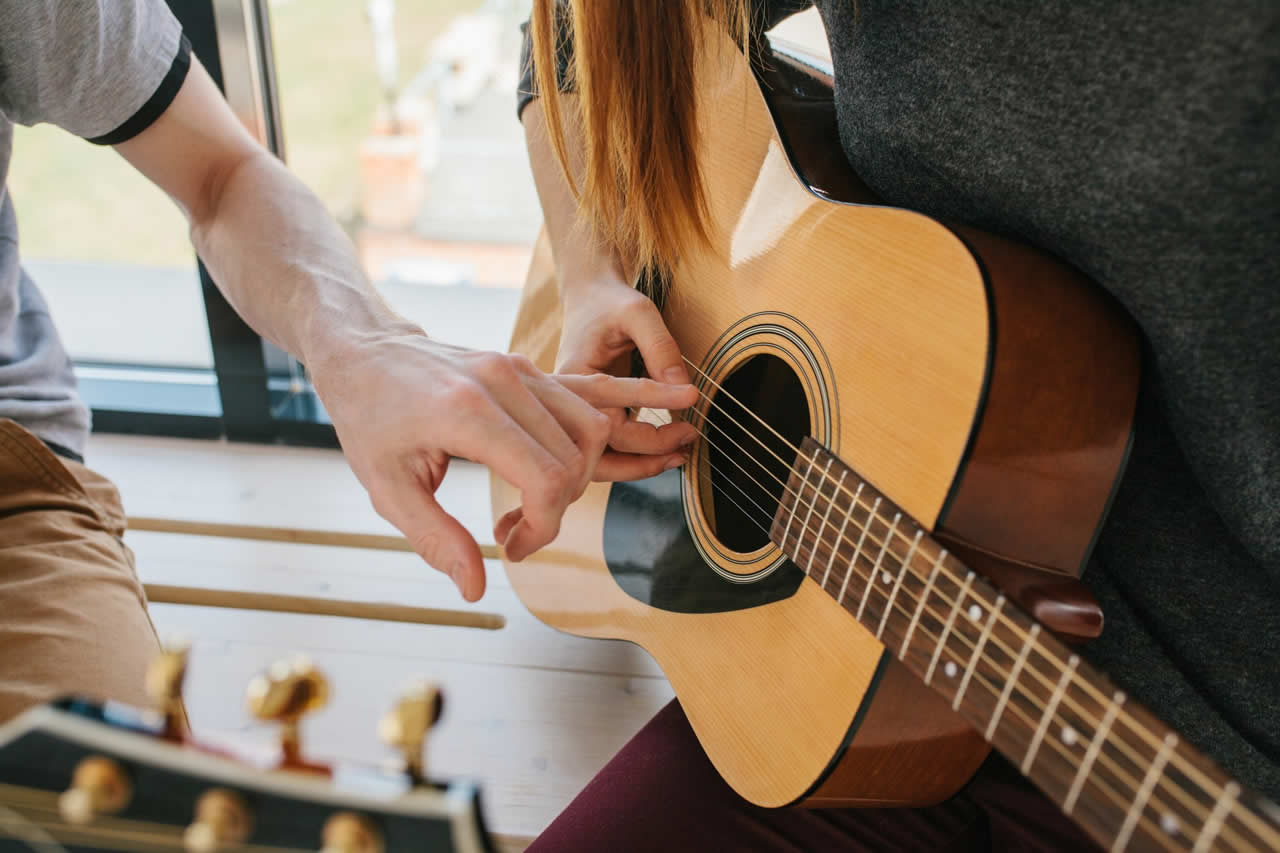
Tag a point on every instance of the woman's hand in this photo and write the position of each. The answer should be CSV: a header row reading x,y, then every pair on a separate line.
x,y
403,404
604,320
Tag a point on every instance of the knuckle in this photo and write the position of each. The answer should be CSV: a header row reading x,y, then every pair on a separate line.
x,y
574,464
552,476
521,363
600,425
427,545
495,367
628,308
380,505
467,397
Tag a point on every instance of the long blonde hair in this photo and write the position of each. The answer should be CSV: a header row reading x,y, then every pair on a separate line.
x,y
633,66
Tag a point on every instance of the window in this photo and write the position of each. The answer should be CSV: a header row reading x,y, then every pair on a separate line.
x,y
401,117
399,114
111,255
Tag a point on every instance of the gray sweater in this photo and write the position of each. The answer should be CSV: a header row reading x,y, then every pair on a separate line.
x,y
1139,141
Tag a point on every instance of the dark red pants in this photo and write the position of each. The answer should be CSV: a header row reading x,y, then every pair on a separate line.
x,y
661,793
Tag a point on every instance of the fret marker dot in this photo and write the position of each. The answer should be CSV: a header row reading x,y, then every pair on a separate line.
x,y
886,577
975,612
1068,735
1169,823
950,669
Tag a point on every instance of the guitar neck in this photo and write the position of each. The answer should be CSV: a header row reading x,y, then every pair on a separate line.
x,y
1125,777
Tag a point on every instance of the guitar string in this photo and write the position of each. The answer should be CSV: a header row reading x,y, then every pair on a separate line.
x,y
1183,796
1190,770
1115,796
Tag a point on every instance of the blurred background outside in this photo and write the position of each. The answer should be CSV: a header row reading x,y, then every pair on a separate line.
x,y
399,115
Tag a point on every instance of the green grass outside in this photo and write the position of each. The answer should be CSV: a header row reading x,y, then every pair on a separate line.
x,y
77,201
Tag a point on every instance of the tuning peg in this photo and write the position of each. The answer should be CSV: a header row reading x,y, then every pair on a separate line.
x,y
99,786
406,725
222,820
348,832
165,676
286,692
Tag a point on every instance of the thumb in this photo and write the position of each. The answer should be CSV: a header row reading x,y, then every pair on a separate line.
x,y
657,347
437,537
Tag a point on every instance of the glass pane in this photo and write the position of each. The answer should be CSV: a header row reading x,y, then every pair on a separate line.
x,y
109,251
806,31
401,117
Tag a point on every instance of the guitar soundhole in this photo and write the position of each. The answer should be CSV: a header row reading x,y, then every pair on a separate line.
x,y
747,463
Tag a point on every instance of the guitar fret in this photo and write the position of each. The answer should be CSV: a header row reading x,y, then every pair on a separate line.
x,y
804,528
1091,754
875,569
977,652
840,536
902,573
822,525
946,629
1120,807
1144,792
1213,826
853,563
796,503
1049,710
924,596
1012,680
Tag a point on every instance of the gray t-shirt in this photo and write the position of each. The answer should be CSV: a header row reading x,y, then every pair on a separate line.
x,y
1139,142
103,70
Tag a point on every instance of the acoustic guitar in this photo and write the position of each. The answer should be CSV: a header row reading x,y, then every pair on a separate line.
x,y
866,575
80,775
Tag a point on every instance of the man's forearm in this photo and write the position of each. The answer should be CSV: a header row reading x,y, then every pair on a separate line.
x,y
285,265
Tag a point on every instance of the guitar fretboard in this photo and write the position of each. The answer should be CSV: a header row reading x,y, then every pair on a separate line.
x,y
1124,776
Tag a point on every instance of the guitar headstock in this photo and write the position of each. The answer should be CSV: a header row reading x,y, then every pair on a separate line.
x,y
82,775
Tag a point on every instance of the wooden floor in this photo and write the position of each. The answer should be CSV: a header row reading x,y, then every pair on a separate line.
x,y
531,713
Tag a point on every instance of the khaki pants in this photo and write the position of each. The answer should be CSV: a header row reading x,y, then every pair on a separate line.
x,y
73,616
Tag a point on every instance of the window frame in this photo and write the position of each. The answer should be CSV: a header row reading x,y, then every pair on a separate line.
x,y
253,392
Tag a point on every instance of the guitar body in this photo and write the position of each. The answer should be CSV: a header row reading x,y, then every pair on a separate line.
x,y
983,387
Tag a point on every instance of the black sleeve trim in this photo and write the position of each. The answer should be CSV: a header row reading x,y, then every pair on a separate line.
x,y
157,103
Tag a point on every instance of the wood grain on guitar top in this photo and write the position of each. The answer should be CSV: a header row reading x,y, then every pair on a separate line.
x,y
884,315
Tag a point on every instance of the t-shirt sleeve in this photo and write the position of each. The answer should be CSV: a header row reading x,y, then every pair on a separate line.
x,y
101,69
764,15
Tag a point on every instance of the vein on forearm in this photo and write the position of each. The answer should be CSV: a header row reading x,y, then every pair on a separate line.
x,y
283,263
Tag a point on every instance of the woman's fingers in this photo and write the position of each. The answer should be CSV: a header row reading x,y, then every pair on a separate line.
x,y
631,436
661,354
621,467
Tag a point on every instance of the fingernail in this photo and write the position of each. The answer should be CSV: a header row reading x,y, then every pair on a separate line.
x,y
676,376
688,442
673,462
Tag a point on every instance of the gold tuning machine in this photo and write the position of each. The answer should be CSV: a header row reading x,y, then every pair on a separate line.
x,y
405,726
222,821
165,676
348,832
286,692
99,786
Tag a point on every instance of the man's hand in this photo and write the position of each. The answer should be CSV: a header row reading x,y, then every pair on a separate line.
x,y
403,405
